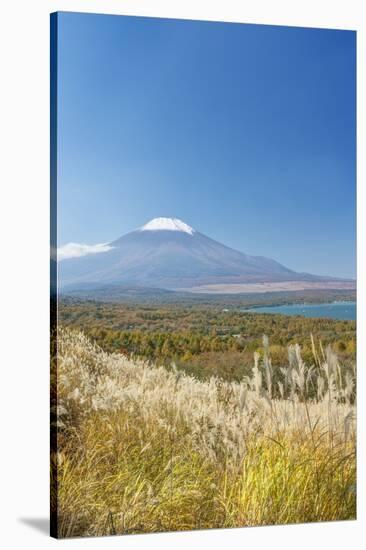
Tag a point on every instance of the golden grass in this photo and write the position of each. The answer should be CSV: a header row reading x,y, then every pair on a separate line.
x,y
141,449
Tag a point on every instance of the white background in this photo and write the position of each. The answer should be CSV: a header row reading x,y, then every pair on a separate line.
x,y
24,235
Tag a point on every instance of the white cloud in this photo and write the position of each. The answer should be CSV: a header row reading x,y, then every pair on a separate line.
x,y
76,250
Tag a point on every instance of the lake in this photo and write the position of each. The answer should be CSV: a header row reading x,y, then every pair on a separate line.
x,y
334,310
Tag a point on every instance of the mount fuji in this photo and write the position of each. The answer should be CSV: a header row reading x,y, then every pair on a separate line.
x,y
167,253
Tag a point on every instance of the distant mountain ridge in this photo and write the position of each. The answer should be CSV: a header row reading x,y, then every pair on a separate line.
x,y
167,253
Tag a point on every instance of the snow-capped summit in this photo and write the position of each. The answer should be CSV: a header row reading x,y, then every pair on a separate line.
x,y
167,224
166,253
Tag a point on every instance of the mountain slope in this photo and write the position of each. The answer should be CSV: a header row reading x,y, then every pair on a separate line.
x,y
167,253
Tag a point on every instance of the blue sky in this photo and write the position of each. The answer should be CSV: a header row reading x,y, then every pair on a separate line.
x,y
245,132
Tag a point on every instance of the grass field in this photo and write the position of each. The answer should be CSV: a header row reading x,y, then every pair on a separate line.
x,y
144,449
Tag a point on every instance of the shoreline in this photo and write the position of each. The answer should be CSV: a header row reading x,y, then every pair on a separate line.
x,y
299,309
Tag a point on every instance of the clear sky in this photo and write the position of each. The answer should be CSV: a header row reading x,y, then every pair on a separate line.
x,y
245,132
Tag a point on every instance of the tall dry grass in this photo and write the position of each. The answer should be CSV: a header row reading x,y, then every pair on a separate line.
x,y
144,449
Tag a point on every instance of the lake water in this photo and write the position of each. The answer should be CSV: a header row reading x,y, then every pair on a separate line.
x,y
334,310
